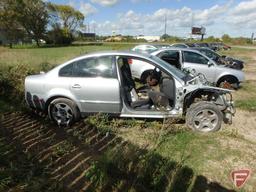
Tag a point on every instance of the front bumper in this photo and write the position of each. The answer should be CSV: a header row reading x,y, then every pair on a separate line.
x,y
230,110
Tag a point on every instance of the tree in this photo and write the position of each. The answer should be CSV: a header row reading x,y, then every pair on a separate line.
x,y
65,16
64,21
24,15
33,17
165,36
8,22
226,38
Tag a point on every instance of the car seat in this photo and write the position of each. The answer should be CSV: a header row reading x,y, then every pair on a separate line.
x,y
129,87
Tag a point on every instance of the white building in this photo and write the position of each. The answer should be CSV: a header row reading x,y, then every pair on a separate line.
x,y
149,38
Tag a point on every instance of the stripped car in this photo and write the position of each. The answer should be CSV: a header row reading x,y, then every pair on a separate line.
x,y
103,83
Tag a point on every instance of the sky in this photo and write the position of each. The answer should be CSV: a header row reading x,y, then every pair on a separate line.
x,y
147,17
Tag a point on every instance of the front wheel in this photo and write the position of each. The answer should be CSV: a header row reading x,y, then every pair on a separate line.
x,y
204,116
63,111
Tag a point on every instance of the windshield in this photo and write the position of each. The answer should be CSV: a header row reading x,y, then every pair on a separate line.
x,y
180,74
210,54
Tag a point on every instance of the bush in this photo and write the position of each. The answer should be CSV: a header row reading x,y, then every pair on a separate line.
x,y
12,82
59,36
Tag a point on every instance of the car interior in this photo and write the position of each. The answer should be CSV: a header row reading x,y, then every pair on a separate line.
x,y
157,94
171,57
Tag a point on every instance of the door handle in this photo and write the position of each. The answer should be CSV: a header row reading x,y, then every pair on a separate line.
x,y
76,86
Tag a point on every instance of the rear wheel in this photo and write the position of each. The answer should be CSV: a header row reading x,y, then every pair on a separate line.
x,y
63,111
204,116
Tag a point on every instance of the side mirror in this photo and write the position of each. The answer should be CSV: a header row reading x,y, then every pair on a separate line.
x,y
210,64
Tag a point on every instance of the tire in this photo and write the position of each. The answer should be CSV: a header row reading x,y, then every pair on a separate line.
x,y
204,116
63,111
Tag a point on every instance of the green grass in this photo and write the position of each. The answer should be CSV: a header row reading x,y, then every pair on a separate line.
x,y
34,57
249,105
245,98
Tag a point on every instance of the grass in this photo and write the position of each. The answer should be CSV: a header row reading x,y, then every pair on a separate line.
x,y
245,98
243,54
213,156
247,104
35,57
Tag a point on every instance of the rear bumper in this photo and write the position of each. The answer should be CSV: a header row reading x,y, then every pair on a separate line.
x,y
34,102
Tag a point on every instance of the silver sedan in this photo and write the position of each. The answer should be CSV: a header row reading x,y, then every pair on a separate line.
x,y
182,58
103,83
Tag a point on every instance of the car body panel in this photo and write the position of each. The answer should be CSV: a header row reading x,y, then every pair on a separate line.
x,y
97,94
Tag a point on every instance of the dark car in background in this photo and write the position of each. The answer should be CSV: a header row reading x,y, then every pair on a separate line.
x,y
221,59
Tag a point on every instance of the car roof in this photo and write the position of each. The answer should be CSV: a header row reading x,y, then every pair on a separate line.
x,y
124,53
202,48
175,48
109,53
145,45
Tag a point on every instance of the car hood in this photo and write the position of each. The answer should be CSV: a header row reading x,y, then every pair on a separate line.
x,y
230,68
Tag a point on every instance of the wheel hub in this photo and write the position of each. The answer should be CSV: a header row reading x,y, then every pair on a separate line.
x,y
205,120
62,113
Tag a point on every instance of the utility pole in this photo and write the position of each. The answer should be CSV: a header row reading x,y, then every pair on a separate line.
x,y
165,25
252,38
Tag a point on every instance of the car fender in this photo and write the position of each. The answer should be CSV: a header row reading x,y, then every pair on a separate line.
x,y
60,92
192,93
224,71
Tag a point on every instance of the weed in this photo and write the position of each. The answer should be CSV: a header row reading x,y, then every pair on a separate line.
x,y
62,149
101,122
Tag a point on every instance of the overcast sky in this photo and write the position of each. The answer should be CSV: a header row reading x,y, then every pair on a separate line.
x,y
135,17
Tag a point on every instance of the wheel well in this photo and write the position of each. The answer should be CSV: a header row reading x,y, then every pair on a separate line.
x,y
230,78
191,97
142,77
53,98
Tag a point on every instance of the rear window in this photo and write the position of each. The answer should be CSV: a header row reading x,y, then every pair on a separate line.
x,y
66,71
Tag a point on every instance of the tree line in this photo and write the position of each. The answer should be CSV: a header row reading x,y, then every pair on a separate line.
x,y
39,20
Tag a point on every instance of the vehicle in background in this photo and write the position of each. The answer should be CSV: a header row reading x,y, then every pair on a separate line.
x,y
182,58
223,46
183,45
147,48
207,45
103,83
221,59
